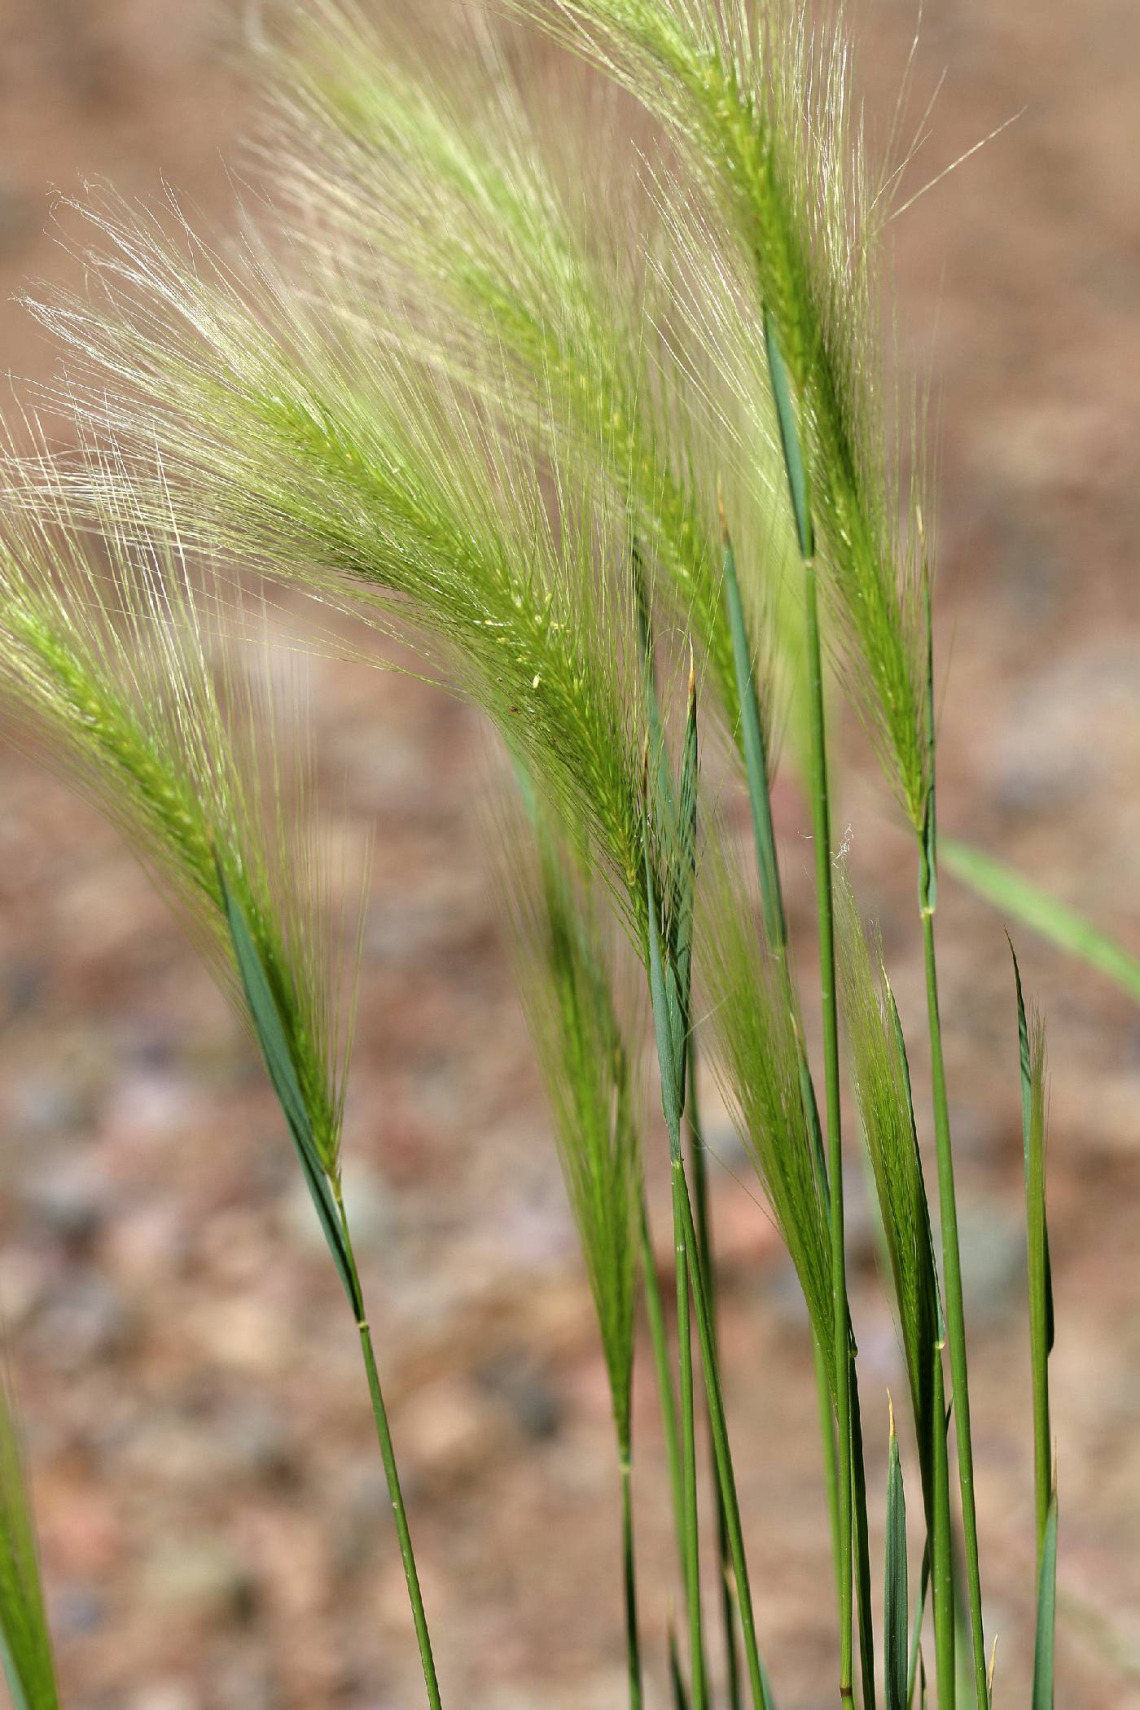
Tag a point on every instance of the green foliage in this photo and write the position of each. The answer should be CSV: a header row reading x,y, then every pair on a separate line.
x,y
1020,899
755,1036
895,1635
882,1085
1031,1040
553,451
25,1643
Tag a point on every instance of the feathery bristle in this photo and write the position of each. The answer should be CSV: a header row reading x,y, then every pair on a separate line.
x,y
119,678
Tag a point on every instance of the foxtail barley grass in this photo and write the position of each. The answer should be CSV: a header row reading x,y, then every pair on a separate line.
x,y
564,456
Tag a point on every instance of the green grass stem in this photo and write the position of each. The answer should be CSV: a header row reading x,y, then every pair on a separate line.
x,y
952,1279
723,1453
629,1583
699,1164
392,1478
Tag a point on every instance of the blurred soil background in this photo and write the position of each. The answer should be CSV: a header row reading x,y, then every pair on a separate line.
x,y
214,1522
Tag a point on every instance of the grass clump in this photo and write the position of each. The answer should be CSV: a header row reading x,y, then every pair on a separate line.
x,y
563,463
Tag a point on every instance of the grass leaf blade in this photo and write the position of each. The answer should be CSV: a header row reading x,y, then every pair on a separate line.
x,y
283,1076
1062,926
25,1643
895,1619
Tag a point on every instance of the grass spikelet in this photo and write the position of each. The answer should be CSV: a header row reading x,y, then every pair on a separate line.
x,y
759,107
25,1643
755,1038
115,681
115,677
305,438
588,1057
438,188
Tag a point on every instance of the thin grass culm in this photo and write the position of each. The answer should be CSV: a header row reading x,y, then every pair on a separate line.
x,y
592,415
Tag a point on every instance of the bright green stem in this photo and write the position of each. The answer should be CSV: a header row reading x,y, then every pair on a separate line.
x,y
955,1310
821,825
830,1458
941,1543
708,1273
655,1313
629,1580
391,1473
685,1242
725,1475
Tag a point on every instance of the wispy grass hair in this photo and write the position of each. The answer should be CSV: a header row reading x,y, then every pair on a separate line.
x,y
114,671
300,436
760,110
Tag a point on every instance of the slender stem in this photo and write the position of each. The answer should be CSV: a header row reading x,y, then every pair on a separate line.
x,y
830,1458
708,1273
655,1313
391,1473
955,1311
821,823
723,1453
685,1241
629,1578
941,1545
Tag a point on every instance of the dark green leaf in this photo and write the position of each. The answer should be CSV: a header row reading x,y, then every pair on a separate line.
x,y
789,440
895,1615
664,1007
755,757
274,1042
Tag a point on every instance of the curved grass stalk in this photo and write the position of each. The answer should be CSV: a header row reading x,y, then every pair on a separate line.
x,y
114,681
321,451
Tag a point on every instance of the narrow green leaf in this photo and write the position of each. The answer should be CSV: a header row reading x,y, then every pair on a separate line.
x,y
1060,925
895,1614
25,1642
790,441
916,1627
273,1040
755,756
1031,1044
670,1070
676,1678
1032,1055
1046,1615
